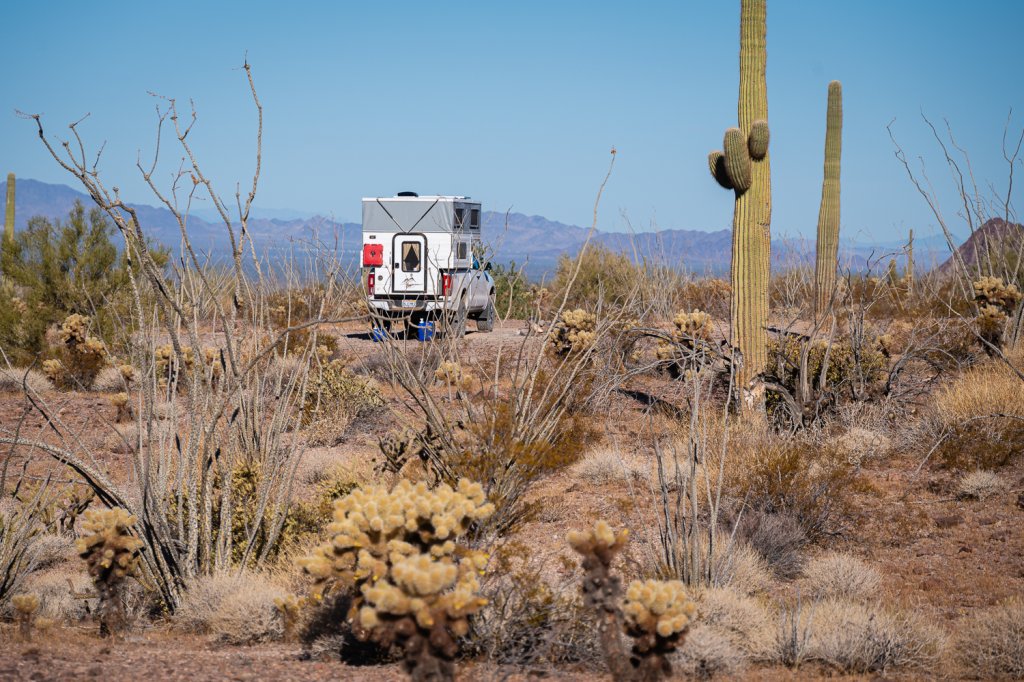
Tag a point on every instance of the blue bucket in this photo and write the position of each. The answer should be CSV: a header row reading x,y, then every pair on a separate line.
x,y
425,331
378,334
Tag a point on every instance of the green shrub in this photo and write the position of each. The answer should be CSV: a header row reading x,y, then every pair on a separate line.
x,y
605,277
513,295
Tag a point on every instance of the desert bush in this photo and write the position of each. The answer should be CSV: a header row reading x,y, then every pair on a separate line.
x,y
605,277
61,594
842,576
236,607
979,417
864,638
514,297
15,380
980,485
710,294
740,618
79,356
708,652
602,466
777,538
67,268
334,397
990,644
530,619
655,614
412,585
997,302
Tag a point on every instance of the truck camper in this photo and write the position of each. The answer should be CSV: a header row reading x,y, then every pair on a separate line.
x,y
420,262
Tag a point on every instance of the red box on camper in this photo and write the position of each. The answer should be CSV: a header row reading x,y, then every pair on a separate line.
x,y
373,255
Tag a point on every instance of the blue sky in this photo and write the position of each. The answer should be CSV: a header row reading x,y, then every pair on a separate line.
x,y
518,103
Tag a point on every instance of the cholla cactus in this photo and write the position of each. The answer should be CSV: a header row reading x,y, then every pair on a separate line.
x,y
692,325
112,555
996,302
689,331
575,332
413,585
81,357
658,615
25,607
452,374
123,404
655,614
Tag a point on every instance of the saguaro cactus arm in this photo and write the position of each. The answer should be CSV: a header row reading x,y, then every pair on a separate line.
x,y
9,213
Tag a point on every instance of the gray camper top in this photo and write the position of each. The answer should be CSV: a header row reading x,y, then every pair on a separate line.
x,y
420,214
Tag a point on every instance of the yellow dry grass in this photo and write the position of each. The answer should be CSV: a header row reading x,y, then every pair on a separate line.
x,y
989,388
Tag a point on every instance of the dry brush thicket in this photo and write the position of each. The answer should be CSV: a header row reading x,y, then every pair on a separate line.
x,y
237,428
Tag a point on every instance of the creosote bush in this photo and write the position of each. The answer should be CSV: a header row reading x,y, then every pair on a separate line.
x,y
112,555
412,584
655,614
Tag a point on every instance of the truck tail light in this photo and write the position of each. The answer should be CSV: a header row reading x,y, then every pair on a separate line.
x,y
371,282
446,283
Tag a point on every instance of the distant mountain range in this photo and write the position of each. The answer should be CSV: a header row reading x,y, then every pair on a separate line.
x,y
533,242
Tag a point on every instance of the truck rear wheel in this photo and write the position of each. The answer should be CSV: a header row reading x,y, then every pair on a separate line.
x,y
457,320
485,323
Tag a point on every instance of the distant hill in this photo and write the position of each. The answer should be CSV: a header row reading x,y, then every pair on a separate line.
x,y
531,241
993,239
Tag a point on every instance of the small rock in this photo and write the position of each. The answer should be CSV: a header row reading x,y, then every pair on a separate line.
x,y
1020,501
964,550
988,521
948,521
1000,536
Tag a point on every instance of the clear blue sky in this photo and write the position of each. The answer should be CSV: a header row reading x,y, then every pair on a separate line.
x,y
518,103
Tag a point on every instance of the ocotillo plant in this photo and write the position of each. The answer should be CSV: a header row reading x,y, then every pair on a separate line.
x,y
744,167
909,275
9,214
828,215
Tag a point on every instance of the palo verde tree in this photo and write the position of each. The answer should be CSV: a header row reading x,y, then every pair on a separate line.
x,y
743,166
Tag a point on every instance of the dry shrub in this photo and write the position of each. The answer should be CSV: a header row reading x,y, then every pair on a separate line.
x,y
777,537
982,416
799,476
860,444
531,618
13,380
710,294
742,619
738,567
109,380
236,606
61,594
606,465
991,642
865,638
843,576
335,397
980,485
708,651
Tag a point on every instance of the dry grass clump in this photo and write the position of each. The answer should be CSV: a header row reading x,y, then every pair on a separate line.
x,y
708,652
742,620
983,415
57,590
980,485
13,380
843,576
860,444
991,642
739,567
866,638
237,607
607,465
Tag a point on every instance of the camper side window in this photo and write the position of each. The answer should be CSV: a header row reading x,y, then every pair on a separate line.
x,y
474,219
460,217
463,251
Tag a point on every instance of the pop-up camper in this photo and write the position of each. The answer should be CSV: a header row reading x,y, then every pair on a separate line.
x,y
420,261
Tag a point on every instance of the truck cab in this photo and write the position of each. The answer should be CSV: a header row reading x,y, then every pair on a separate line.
x,y
420,261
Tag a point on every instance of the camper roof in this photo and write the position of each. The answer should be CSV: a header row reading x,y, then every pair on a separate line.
x,y
425,197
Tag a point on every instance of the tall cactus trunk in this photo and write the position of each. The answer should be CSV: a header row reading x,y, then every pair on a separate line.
x,y
828,215
910,263
9,213
744,167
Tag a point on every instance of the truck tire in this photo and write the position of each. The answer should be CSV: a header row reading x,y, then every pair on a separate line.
x,y
485,323
457,320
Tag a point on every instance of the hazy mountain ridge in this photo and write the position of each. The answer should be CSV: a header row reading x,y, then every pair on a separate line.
x,y
533,242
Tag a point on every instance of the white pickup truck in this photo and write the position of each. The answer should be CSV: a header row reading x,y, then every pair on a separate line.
x,y
420,261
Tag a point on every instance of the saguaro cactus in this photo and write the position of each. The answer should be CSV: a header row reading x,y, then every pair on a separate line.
x,y
744,167
9,214
909,276
828,215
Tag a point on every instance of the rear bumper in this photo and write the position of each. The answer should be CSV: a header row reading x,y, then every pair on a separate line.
x,y
394,306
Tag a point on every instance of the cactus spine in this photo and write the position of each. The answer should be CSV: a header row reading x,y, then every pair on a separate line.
x,y
744,167
9,214
828,215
